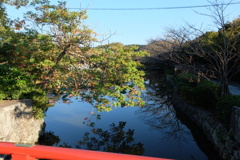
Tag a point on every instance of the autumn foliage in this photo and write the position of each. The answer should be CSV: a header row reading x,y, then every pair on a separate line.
x,y
51,50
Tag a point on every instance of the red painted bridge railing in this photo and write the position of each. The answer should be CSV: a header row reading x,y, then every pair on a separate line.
x,y
57,153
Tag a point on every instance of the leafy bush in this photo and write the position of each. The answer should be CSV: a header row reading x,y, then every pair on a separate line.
x,y
186,79
185,91
203,94
183,85
224,107
13,83
39,102
169,70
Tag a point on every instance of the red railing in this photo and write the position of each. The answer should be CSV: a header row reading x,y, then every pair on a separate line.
x,y
57,153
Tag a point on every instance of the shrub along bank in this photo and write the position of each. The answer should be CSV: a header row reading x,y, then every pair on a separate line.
x,y
202,94
15,84
216,122
224,108
206,94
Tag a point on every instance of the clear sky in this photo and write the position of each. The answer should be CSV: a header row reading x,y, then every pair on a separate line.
x,y
137,26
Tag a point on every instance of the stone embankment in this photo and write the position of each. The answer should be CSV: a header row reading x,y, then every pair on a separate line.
x,y
226,142
18,124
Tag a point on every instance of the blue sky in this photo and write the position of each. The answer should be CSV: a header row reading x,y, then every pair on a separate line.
x,y
137,26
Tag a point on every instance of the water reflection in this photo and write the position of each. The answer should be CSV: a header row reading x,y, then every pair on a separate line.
x,y
49,139
159,113
78,124
117,139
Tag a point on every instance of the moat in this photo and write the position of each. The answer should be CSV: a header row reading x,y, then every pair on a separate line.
x,y
155,130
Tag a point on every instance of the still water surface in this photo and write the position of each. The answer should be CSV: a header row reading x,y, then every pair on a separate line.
x,y
157,132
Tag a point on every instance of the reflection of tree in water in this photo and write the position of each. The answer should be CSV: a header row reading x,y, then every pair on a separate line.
x,y
160,114
115,140
48,139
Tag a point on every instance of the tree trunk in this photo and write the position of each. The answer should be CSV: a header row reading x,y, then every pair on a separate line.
x,y
224,85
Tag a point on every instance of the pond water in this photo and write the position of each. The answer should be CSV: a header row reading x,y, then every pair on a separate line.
x,y
153,130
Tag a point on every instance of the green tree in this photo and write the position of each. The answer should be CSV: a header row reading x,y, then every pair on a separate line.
x,y
115,74
53,47
3,20
70,38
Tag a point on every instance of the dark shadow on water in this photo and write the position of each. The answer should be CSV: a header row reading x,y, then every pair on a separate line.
x,y
160,115
199,137
163,116
116,140
49,139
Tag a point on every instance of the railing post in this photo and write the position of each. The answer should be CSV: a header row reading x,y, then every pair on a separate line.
x,y
22,157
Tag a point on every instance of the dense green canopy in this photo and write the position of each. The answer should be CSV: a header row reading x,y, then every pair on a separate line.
x,y
51,50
